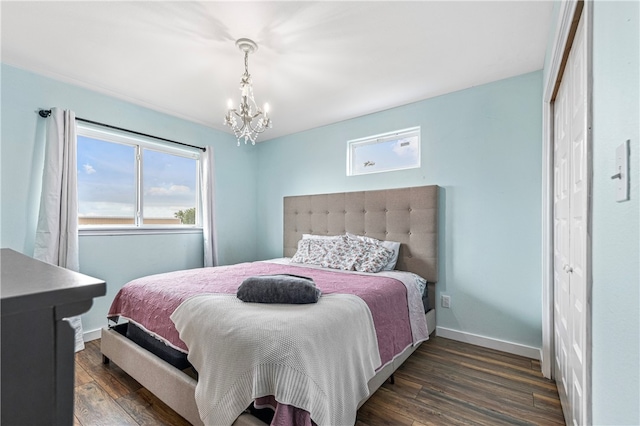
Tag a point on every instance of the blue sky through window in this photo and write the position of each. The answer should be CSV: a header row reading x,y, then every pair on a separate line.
x,y
379,154
107,181
169,184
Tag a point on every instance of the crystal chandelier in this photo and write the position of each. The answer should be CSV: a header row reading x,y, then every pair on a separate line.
x,y
250,121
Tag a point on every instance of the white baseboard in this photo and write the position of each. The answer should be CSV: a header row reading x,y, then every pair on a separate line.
x,y
88,336
488,342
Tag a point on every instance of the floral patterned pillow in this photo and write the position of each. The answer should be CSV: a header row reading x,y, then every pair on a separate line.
x,y
312,251
342,255
374,256
346,252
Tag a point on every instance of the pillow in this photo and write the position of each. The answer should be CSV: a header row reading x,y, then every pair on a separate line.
x,y
395,248
320,237
341,254
312,251
280,288
376,252
374,259
302,252
347,252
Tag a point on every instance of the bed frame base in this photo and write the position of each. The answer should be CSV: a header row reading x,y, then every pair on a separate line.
x,y
170,385
177,389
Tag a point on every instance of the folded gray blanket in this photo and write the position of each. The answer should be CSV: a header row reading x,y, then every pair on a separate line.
x,y
280,288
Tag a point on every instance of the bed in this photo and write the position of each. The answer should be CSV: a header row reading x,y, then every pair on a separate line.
x,y
406,215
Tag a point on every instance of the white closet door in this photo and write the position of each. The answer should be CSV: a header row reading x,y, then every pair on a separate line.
x,y
570,233
561,213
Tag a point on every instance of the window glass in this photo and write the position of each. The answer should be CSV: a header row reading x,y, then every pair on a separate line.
x,y
169,183
383,153
106,182
126,181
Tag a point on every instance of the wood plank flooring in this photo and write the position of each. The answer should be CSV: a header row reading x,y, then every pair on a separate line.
x,y
443,383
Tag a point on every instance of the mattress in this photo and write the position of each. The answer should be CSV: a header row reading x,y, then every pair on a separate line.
x,y
140,337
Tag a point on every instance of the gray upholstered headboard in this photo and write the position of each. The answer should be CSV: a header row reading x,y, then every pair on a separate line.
x,y
406,215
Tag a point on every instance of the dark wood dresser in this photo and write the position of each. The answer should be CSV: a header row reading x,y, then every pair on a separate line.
x,y
37,345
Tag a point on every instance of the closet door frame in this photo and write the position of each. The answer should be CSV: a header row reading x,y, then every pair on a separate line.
x,y
569,14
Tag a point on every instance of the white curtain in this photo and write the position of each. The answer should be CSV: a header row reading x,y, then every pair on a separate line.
x,y
57,231
208,212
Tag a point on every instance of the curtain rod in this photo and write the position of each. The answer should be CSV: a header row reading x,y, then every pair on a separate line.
x,y
44,113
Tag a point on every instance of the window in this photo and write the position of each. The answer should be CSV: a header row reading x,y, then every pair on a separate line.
x,y
387,152
126,181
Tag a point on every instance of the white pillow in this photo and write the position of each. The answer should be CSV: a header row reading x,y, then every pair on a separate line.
x,y
395,248
320,237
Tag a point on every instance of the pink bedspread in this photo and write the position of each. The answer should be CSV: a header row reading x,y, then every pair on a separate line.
x,y
149,301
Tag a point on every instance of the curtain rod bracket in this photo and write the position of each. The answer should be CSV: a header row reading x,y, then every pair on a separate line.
x,y
44,113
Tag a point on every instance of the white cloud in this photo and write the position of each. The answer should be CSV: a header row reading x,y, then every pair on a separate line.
x,y
173,189
406,148
88,169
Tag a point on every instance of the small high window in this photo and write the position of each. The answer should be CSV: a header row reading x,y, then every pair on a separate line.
x,y
387,152
128,182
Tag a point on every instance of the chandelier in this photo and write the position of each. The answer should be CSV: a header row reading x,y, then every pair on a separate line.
x,y
248,121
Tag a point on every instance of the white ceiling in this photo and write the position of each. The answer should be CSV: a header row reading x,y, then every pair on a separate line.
x,y
317,62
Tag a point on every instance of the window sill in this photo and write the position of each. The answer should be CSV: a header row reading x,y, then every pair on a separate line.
x,y
149,230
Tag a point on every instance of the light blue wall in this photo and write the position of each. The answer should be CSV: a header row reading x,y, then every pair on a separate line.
x,y
117,259
483,147
616,234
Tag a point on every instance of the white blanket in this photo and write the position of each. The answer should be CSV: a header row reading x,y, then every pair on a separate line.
x,y
243,351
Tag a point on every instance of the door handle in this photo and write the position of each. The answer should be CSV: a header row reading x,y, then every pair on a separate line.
x,y
568,269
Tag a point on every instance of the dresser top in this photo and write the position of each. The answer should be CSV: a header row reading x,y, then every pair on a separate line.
x,y
27,283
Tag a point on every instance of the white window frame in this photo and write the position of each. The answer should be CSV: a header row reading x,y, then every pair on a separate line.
x,y
353,144
139,143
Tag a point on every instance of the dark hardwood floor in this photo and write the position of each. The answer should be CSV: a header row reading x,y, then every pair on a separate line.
x,y
443,383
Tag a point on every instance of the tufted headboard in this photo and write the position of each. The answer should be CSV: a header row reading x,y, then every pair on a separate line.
x,y
406,215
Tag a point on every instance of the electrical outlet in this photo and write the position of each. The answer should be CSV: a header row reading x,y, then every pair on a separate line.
x,y
445,301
